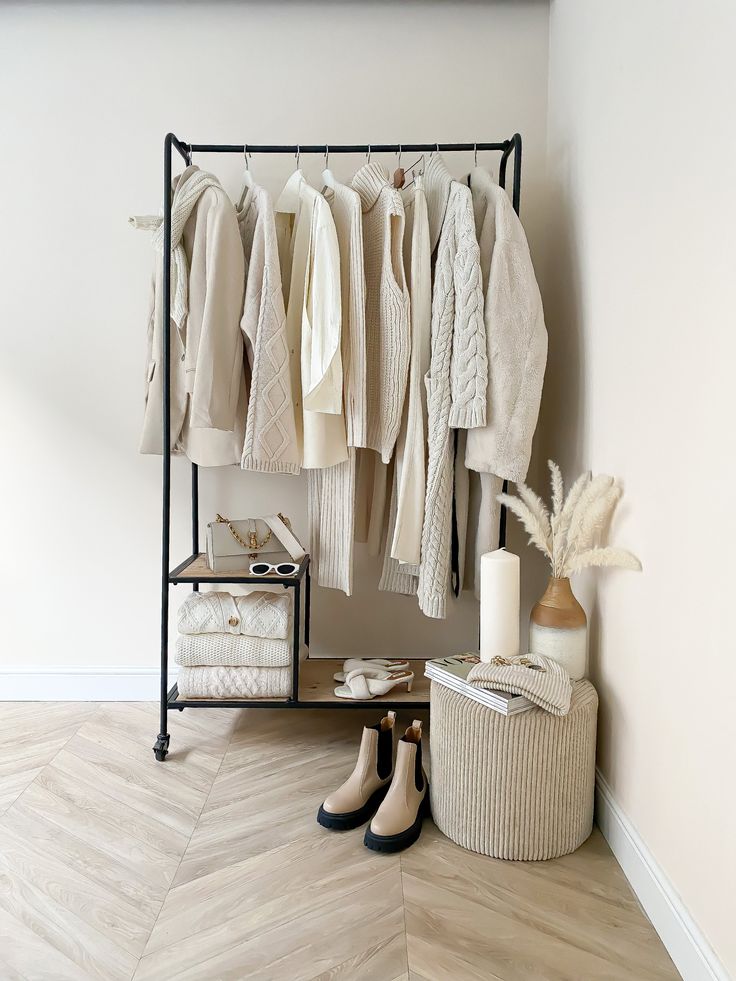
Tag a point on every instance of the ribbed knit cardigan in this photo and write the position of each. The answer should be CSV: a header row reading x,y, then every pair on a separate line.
x,y
404,540
388,341
458,375
270,432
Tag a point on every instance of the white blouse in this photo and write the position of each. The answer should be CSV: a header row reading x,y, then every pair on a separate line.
x,y
310,274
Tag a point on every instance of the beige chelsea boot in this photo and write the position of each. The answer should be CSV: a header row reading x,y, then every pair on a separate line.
x,y
356,801
398,821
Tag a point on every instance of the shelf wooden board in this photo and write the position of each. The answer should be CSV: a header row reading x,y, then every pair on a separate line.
x,y
317,686
316,683
195,569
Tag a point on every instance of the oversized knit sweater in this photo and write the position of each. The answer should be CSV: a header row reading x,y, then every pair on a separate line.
x,y
458,374
270,431
388,341
517,355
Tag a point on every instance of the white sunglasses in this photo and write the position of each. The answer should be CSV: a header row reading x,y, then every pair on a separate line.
x,y
281,568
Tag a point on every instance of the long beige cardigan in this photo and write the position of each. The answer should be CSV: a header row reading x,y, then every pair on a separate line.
x,y
406,516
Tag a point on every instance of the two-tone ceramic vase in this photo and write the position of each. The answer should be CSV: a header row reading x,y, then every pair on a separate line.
x,y
558,628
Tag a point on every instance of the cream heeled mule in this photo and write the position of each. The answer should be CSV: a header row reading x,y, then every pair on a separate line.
x,y
398,821
363,685
359,663
357,799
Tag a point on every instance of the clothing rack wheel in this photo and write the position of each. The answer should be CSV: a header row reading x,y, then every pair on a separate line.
x,y
311,681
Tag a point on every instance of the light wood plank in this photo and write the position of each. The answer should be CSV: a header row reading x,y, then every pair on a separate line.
x,y
94,831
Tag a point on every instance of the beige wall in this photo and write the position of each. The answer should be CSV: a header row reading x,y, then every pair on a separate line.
x,y
640,297
89,91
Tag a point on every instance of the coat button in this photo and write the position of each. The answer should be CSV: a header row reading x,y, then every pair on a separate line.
x,y
233,621
182,357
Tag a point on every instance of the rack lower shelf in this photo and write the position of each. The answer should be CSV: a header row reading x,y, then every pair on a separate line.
x,y
317,690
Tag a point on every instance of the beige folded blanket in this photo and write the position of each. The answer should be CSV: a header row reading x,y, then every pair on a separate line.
x,y
229,682
541,680
232,651
259,614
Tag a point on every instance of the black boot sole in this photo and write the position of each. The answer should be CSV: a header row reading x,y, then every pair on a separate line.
x,y
352,819
397,843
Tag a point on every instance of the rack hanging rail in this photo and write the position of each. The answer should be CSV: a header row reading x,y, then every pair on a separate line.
x,y
194,570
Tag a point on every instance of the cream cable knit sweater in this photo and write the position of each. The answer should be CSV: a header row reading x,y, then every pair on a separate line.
x,y
270,430
457,380
515,335
387,307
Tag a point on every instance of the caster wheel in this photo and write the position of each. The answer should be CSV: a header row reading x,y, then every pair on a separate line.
x,y
180,710
161,747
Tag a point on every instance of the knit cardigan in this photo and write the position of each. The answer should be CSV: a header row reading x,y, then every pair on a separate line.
x,y
403,544
458,374
515,335
270,432
388,341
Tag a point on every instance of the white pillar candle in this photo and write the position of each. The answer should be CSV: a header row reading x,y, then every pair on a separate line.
x,y
499,604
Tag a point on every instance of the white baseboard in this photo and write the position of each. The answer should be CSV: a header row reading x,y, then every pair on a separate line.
x,y
76,683
687,946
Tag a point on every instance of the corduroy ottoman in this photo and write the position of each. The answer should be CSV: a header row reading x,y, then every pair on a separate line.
x,y
516,787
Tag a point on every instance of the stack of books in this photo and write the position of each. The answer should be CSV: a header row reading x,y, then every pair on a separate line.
x,y
452,672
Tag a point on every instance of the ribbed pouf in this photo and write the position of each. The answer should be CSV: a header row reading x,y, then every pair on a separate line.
x,y
515,787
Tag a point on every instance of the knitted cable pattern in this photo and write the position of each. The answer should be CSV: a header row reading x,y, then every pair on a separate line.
x,y
231,650
224,682
270,444
458,346
258,614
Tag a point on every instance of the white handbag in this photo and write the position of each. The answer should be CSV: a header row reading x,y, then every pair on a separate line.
x,y
233,545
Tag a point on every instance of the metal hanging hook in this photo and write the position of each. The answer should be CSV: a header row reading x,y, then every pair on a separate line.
x,y
398,161
327,156
475,154
368,154
190,155
298,155
246,155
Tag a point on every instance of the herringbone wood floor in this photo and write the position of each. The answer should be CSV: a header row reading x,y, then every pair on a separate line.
x,y
211,865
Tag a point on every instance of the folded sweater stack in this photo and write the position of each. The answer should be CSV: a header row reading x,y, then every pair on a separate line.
x,y
234,646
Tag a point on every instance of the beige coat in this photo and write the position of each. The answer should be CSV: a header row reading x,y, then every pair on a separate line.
x,y
310,275
207,377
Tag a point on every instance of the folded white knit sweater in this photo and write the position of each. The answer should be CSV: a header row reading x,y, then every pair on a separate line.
x,y
232,651
230,682
259,614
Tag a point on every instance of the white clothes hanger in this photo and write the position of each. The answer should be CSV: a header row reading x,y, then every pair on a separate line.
x,y
248,179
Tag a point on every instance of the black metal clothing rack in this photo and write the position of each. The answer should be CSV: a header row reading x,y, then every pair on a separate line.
x,y
193,570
